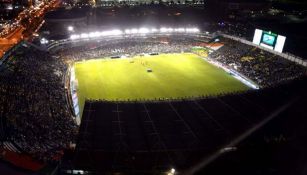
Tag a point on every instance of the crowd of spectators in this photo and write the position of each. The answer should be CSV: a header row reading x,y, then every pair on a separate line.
x,y
32,84
264,68
32,98
125,47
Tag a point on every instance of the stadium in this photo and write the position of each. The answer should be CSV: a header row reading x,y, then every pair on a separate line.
x,y
138,100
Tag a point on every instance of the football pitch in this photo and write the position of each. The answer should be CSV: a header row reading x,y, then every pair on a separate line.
x,y
172,76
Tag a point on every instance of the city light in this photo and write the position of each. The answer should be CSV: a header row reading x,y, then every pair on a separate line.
x,y
171,172
44,41
74,37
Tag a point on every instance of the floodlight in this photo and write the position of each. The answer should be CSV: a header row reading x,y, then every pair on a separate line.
x,y
143,30
180,30
44,41
73,37
70,28
192,30
172,170
196,30
103,33
84,35
189,30
163,30
116,32
97,34
92,35
127,31
154,30
134,31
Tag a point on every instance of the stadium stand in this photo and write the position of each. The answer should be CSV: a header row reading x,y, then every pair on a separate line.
x,y
260,66
142,136
126,46
37,120
264,68
32,101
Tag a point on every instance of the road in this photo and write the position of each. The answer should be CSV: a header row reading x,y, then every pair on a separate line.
x,y
24,25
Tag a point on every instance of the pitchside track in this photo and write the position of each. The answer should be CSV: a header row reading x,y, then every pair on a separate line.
x,y
152,77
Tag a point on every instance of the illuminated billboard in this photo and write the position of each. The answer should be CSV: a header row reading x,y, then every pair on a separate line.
x,y
269,40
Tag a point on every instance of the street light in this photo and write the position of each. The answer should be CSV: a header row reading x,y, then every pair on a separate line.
x,y
44,41
171,172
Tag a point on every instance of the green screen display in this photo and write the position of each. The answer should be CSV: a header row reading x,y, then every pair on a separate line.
x,y
268,39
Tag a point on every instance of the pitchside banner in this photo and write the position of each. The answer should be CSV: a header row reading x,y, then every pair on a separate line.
x,y
269,40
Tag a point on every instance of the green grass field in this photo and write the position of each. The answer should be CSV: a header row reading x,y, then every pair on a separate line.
x,y
172,76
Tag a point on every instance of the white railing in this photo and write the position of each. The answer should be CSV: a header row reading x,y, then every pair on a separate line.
x,y
74,94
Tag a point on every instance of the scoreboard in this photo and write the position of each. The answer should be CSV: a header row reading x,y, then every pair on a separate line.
x,y
269,40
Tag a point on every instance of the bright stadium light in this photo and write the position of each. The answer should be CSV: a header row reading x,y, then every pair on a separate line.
x,y
143,30
104,33
154,30
74,37
93,34
70,28
196,30
134,31
111,33
84,35
98,34
179,30
192,30
116,32
188,30
127,31
163,30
